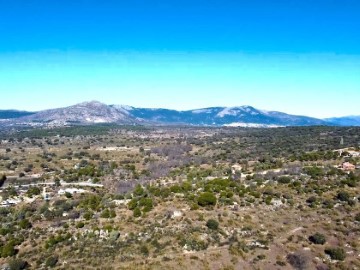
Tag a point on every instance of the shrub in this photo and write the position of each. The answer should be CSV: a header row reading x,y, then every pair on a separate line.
x,y
133,204
206,198
51,261
25,224
2,180
80,225
284,180
8,250
318,239
147,203
18,264
343,196
139,191
298,260
137,212
212,224
105,214
33,191
144,250
337,254
88,215
357,217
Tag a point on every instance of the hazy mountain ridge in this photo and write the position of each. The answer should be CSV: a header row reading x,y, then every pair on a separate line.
x,y
220,116
84,113
12,114
96,112
345,121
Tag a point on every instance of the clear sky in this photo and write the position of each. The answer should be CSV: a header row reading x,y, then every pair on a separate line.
x,y
300,57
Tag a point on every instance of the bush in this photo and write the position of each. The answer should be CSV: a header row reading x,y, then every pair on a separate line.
x,y
8,250
144,251
137,212
343,196
298,260
105,214
18,264
318,239
206,198
51,261
25,224
284,180
212,224
2,180
337,254
33,191
80,225
139,191
88,215
357,217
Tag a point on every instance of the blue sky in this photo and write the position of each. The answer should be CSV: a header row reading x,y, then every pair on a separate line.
x,y
300,57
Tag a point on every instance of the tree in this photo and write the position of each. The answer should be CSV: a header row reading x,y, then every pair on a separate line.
x,y
207,198
2,180
337,254
137,212
18,264
139,191
212,224
105,214
57,182
298,260
318,239
343,196
25,224
51,261
33,191
8,250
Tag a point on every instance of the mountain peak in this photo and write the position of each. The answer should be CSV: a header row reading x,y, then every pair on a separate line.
x,y
90,112
92,103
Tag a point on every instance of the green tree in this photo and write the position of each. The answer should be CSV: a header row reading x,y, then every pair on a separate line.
x,y
137,212
212,224
8,250
105,214
139,190
2,180
337,254
25,224
51,261
206,198
318,239
33,191
343,196
18,264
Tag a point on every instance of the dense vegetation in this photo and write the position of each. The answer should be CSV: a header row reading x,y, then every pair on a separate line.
x,y
170,197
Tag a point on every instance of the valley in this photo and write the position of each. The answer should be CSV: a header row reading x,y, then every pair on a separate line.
x,y
138,197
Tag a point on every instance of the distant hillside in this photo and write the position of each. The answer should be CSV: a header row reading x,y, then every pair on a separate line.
x,y
224,116
94,112
11,114
83,113
345,121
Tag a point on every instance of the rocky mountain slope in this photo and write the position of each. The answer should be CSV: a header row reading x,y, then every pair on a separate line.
x,y
95,112
345,121
83,113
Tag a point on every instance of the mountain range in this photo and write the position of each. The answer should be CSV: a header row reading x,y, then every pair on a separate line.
x,y
95,112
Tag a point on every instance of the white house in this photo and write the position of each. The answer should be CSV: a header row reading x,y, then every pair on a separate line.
x,y
72,191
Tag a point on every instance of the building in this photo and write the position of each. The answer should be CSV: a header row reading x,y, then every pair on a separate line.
x,y
72,191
